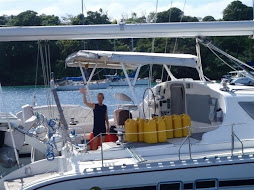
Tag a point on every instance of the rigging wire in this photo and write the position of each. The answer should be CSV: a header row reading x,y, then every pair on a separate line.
x,y
180,21
36,75
174,49
227,63
152,50
46,68
166,43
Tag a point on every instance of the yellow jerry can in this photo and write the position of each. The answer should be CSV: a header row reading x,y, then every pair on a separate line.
x,y
150,131
177,126
169,126
161,130
186,122
141,123
131,127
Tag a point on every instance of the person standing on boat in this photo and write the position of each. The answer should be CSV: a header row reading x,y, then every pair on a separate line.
x,y
100,117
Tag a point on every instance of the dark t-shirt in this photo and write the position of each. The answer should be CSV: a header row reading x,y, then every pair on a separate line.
x,y
99,119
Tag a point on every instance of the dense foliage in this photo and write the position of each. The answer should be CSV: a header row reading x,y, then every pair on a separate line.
x,y
18,59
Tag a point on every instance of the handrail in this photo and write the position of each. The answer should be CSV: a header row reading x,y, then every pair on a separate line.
x,y
179,150
187,138
233,135
102,164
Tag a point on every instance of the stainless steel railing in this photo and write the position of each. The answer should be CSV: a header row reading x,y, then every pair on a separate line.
x,y
188,138
233,135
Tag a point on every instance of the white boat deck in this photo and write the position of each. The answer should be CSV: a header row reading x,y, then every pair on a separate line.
x,y
128,164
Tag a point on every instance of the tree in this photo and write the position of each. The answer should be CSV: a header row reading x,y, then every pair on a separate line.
x,y
97,17
172,15
189,19
135,19
237,11
49,20
27,18
4,20
208,18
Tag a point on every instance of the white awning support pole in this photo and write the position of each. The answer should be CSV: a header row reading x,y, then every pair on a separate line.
x,y
201,74
85,83
136,76
169,72
132,90
91,75
199,62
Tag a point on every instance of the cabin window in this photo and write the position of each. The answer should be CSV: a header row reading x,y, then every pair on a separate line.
x,y
139,188
170,185
248,107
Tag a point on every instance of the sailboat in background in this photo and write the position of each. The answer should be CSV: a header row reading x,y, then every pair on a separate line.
x,y
75,83
120,80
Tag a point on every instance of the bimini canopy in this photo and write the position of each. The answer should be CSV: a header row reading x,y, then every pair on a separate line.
x,y
131,60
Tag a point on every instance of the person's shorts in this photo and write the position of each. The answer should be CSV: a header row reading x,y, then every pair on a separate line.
x,y
99,131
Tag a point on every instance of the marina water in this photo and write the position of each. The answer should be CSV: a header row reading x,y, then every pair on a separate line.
x,y
16,97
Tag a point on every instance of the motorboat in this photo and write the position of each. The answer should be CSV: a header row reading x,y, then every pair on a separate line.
x,y
75,83
217,151
240,77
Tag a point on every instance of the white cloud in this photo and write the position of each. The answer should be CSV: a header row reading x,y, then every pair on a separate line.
x,y
50,10
11,12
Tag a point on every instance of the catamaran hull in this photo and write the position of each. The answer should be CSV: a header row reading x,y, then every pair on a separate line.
x,y
230,176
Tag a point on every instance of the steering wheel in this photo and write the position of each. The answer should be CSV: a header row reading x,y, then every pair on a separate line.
x,y
149,103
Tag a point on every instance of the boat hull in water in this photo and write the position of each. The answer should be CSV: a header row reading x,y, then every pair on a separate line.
x,y
125,83
213,173
92,86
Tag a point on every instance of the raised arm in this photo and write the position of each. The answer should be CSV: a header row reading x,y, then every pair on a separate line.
x,y
106,120
91,105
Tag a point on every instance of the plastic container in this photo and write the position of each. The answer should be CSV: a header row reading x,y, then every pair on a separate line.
x,y
141,123
161,130
150,135
169,126
186,122
131,127
108,138
91,142
177,126
111,138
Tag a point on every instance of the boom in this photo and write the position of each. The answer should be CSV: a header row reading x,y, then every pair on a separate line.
x,y
115,31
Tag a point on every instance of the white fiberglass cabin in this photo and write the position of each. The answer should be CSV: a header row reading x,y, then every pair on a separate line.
x,y
217,154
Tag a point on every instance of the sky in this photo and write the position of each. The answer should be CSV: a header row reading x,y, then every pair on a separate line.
x,y
116,8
